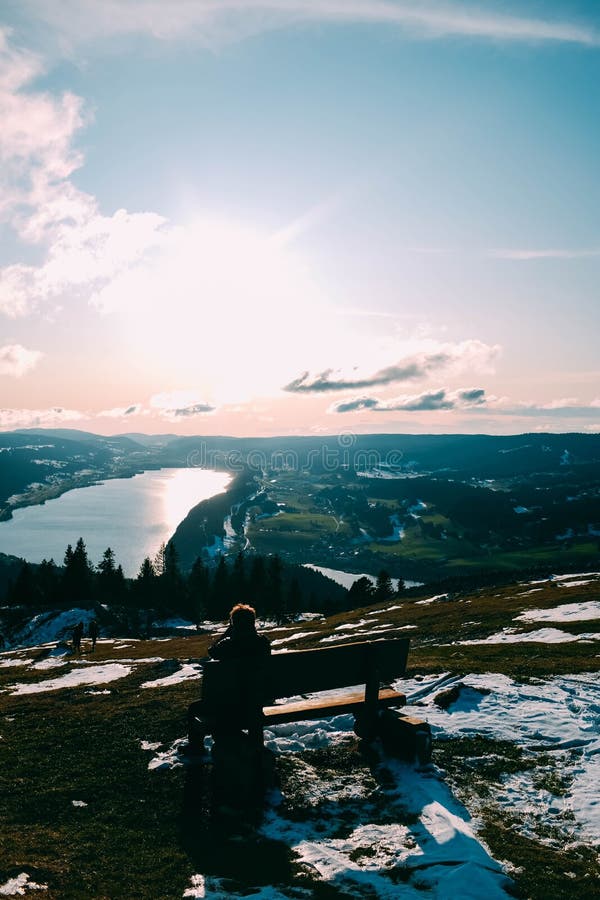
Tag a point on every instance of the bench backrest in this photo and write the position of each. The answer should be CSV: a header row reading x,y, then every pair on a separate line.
x,y
304,671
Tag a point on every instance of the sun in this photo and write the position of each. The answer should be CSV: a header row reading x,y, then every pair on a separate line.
x,y
222,307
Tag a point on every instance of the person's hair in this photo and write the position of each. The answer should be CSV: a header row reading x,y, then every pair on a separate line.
x,y
243,616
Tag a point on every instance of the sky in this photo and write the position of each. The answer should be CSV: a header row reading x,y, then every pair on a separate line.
x,y
269,217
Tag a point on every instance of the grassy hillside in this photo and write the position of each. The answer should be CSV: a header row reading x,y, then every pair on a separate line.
x,y
84,814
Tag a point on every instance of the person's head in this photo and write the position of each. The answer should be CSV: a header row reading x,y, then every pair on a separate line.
x,y
243,618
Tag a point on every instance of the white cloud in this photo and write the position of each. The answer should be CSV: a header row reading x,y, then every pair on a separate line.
x,y
16,360
122,412
428,401
470,355
177,405
84,249
213,23
36,152
37,418
526,255
565,407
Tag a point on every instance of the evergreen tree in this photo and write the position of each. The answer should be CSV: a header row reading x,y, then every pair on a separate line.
x,y
239,588
77,580
24,591
384,589
274,595
294,600
121,594
219,597
48,582
106,566
160,560
172,587
257,585
361,593
106,576
147,572
144,586
198,591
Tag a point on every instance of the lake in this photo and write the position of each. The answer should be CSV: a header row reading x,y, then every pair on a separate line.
x,y
133,516
347,579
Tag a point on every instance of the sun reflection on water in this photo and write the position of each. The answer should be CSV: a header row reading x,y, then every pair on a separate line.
x,y
187,487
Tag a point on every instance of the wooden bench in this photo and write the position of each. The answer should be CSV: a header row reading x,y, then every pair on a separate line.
x,y
243,693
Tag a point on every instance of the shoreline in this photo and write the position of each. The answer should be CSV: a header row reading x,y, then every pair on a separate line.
x,y
53,491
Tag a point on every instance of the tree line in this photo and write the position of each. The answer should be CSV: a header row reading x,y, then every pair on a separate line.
x,y
278,590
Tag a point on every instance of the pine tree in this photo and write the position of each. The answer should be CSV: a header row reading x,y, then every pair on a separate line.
x,y
160,559
24,591
77,581
198,588
106,566
361,593
144,586
239,588
275,596
257,585
48,582
219,598
384,589
121,594
294,601
172,587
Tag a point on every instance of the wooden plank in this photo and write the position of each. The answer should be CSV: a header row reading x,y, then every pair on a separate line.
x,y
317,708
324,669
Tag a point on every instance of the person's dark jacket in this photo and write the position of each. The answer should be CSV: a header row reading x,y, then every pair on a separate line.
x,y
243,645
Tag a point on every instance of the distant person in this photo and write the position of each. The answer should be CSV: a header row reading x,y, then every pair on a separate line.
x,y
93,633
77,635
241,639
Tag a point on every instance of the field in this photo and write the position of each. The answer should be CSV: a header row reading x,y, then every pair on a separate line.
x,y
345,522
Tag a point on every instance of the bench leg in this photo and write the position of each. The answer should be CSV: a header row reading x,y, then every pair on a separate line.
x,y
366,725
405,736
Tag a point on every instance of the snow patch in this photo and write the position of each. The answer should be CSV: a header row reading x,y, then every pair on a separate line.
x,y
293,637
567,612
187,672
431,599
18,887
90,675
541,636
558,716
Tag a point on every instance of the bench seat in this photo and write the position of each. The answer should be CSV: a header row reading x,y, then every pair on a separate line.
x,y
318,707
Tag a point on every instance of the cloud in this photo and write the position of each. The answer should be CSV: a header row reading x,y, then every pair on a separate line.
x,y
561,408
526,255
471,354
122,412
37,418
36,153
177,405
429,401
16,360
195,409
211,23
84,249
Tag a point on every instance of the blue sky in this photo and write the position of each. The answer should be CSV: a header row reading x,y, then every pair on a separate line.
x,y
283,217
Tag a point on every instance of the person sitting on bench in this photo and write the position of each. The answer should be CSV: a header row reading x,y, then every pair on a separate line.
x,y
243,649
241,639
